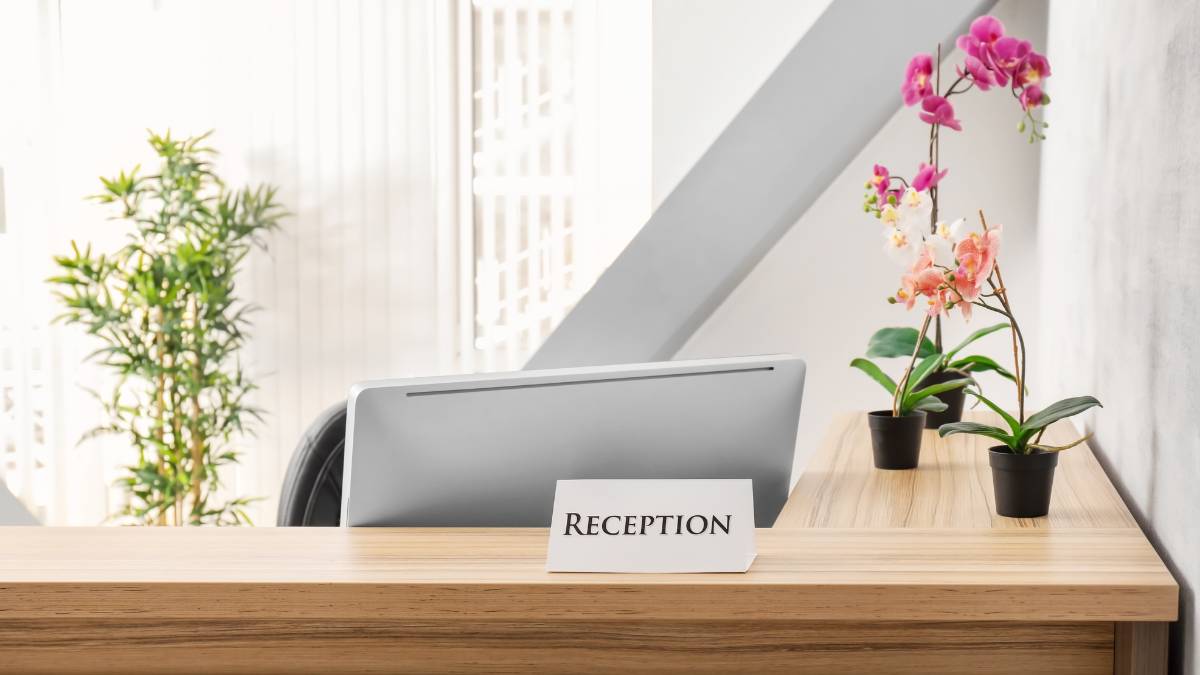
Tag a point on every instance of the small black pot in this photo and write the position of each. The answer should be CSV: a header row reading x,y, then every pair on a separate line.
x,y
896,441
1022,482
953,398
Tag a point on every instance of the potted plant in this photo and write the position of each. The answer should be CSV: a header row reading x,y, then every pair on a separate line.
x,y
901,341
896,432
165,309
1023,467
914,234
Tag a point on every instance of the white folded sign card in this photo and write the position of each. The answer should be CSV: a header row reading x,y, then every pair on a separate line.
x,y
652,526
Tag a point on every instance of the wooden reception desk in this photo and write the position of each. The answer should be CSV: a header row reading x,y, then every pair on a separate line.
x,y
865,572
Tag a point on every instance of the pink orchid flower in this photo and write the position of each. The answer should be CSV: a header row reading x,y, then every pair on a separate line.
x,y
1032,96
937,302
927,177
992,58
923,279
918,79
924,283
937,110
976,255
987,29
984,33
966,291
1033,70
1008,54
880,180
979,74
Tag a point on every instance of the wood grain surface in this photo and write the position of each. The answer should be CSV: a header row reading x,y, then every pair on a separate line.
x,y
866,571
134,645
1140,648
950,488
830,574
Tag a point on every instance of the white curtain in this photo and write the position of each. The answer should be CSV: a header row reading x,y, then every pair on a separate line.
x,y
344,105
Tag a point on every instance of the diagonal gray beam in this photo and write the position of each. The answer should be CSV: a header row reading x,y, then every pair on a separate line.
x,y
827,98
12,512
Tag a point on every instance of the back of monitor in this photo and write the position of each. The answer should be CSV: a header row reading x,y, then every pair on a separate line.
x,y
486,450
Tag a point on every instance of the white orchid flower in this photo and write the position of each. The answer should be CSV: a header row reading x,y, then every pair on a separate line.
x,y
945,236
902,244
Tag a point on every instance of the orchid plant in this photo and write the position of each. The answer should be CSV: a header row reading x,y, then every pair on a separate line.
x,y
948,263
978,282
952,265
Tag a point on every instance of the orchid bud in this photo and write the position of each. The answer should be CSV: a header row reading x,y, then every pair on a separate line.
x,y
891,300
1021,127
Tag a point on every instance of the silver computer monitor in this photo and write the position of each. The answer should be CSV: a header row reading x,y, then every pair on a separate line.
x,y
486,450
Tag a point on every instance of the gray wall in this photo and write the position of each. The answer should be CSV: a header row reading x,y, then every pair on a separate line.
x,y
1118,245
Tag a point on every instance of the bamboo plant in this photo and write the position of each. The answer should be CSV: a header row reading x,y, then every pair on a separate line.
x,y
165,309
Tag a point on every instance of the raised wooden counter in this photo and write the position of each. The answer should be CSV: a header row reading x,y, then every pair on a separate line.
x,y
951,488
836,588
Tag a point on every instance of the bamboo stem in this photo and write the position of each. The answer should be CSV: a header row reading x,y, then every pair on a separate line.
x,y
197,432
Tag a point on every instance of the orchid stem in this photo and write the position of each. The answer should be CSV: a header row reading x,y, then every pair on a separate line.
x,y
903,383
1018,339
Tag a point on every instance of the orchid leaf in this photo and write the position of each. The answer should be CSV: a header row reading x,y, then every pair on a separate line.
x,y
1058,448
893,342
935,389
930,404
925,367
975,336
1068,407
875,373
1008,419
975,428
977,363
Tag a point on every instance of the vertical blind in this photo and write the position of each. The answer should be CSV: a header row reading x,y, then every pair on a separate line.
x,y
334,102
457,172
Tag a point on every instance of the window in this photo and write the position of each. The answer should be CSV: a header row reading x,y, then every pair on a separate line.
x,y
551,163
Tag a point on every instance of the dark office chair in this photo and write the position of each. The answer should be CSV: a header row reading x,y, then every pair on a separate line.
x,y
311,495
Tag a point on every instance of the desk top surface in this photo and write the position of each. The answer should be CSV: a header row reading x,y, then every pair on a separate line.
x,y
852,544
951,487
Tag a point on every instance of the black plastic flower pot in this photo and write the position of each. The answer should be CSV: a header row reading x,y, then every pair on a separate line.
x,y
1022,483
896,441
953,398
